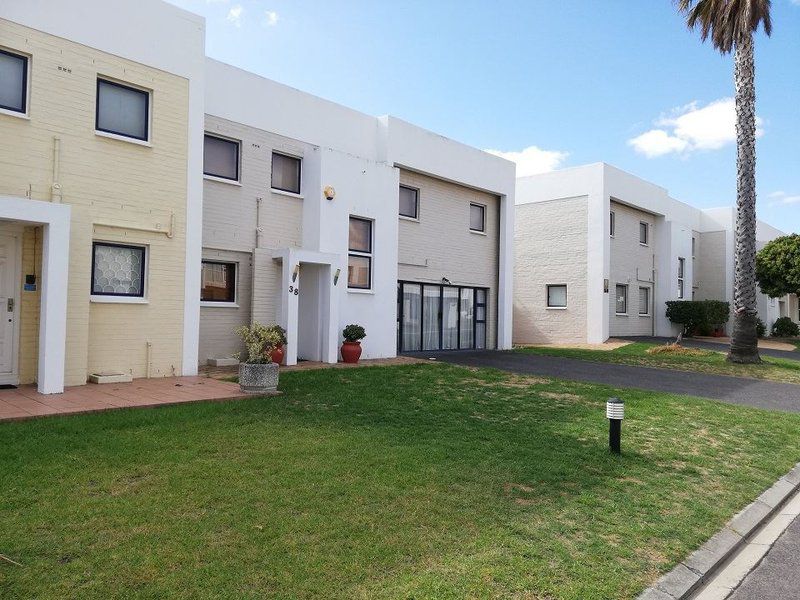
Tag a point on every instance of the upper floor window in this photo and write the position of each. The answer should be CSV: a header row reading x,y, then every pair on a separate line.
x,y
285,173
13,82
218,282
359,265
644,233
123,110
612,223
694,247
477,217
220,157
409,202
681,271
118,270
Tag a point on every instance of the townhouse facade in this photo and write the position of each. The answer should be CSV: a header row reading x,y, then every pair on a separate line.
x,y
100,189
598,253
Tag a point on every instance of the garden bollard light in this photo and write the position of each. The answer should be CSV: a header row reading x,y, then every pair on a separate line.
x,y
615,412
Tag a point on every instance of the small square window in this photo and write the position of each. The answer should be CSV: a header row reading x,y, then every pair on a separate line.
x,y
612,223
118,270
409,202
622,300
644,301
644,233
556,296
285,173
220,157
218,282
122,110
477,217
13,81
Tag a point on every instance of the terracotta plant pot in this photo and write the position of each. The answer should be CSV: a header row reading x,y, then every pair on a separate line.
x,y
277,355
351,352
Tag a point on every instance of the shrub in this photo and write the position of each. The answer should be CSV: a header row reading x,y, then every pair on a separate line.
x,y
717,312
761,328
280,333
700,315
353,333
260,341
785,327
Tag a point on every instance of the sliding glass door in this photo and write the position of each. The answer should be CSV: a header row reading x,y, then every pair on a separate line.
x,y
440,317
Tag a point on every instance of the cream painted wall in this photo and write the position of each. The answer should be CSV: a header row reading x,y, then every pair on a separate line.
x,y
550,245
440,244
110,181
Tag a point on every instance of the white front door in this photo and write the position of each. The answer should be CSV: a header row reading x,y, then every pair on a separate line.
x,y
9,309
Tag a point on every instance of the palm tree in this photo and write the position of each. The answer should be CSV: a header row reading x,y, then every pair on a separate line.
x,y
731,24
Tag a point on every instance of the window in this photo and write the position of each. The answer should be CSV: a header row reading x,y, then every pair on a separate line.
x,y
285,173
612,223
122,110
220,157
118,270
694,246
644,233
681,270
13,82
622,300
644,301
359,267
409,202
218,282
477,217
556,296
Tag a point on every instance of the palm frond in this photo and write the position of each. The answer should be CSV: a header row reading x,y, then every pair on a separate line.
x,y
727,22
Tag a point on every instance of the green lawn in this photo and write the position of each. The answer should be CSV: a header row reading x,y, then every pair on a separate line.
x,y
776,369
419,481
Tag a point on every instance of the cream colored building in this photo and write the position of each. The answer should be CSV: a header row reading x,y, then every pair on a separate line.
x,y
99,190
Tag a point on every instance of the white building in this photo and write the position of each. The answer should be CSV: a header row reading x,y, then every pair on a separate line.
x,y
598,253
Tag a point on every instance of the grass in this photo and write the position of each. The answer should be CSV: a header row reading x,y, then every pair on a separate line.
x,y
775,369
420,481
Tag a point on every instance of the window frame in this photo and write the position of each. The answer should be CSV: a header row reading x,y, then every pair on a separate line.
x,y
361,253
143,277
616,296
646,230
416,203
647,293
482,230
547,296
25,84
299,160
125,86
235,301
681,278
612,227
230,140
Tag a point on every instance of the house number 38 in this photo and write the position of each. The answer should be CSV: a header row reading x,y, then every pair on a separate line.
x,y
294,290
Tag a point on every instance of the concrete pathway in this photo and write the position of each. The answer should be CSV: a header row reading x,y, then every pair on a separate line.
x,y
735,390
715,346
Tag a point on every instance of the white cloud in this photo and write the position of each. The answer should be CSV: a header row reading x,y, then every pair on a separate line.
x,y
533,160
692,127
782,198
235,15
270,18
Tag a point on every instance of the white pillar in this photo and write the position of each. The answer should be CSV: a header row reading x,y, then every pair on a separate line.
x,y
53,309
330,312
505,284
289,306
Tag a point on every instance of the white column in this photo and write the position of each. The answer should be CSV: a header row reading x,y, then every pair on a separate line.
x,y
289,306
330,312
53,309
505,285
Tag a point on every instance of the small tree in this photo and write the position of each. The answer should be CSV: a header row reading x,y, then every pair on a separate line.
x,y
778,266
260,341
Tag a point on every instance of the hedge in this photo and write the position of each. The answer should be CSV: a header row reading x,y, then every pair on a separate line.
x,y
698,314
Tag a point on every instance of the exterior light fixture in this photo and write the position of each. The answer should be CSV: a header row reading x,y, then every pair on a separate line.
x,y
330,192
296,272
446,281
615,412
336,276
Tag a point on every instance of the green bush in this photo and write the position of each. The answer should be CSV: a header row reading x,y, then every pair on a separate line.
x,y
698,315
761,328
785,327
353,333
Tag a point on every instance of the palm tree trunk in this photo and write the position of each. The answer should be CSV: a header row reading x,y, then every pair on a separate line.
x,y
744,340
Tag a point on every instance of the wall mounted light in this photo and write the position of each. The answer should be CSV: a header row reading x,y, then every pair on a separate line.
x,y
446,281
330,192
296,272
336,276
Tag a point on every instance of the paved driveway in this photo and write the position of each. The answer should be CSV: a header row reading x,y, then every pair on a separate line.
x,y
692,343
736,390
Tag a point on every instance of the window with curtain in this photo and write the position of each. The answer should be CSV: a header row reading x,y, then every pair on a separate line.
x,y
220,157
218,282
122,110
285,173
13,81
431,298
412,317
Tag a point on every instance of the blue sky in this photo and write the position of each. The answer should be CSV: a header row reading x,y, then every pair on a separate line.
x,y
556,83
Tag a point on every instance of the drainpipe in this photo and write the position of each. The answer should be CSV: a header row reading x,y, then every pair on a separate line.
x,y
259,229
55,186
653,318
149,359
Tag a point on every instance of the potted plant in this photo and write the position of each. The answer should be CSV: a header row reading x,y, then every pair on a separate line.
x,y
351,349
277,353
258,374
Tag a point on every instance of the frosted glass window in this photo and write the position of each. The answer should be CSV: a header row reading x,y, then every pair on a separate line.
x,y
221,158
122,110
13,81
556,296
285,173
117,270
